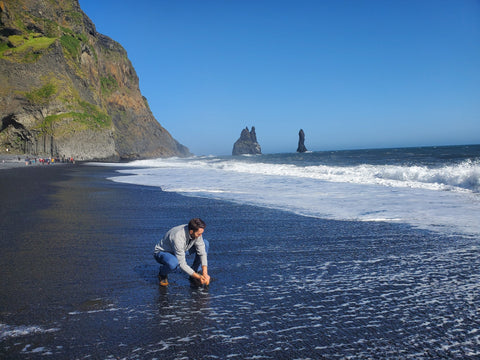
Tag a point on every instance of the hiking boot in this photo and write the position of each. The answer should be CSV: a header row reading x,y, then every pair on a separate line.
x,y
163,280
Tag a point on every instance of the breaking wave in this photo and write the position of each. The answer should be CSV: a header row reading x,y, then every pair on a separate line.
x,y
464,176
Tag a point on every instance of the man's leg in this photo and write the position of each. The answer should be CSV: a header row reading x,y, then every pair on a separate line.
x,y
168,263
196,261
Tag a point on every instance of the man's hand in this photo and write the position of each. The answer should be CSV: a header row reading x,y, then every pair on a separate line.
x,y
205,278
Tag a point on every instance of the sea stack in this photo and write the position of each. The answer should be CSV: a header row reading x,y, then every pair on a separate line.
x,y
247,143
301,142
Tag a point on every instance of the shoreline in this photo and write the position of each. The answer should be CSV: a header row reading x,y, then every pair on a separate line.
x,y
25,160
12,161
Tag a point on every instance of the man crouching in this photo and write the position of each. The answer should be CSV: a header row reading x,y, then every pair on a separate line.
x,y
171,251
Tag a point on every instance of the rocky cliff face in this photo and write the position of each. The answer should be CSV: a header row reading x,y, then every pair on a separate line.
x,y
247,143
67,90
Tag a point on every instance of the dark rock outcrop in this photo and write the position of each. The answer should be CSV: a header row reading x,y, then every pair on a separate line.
x,y
301,142
67,90
247,143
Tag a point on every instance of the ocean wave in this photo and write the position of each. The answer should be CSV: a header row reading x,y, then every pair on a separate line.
x,y
464,176
460,177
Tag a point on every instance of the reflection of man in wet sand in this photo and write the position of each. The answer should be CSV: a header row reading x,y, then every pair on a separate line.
x,y
171,251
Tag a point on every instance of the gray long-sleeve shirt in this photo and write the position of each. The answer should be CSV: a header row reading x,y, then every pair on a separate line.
x,y
177,241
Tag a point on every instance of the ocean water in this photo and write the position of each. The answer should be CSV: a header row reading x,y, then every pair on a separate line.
x,y
433,188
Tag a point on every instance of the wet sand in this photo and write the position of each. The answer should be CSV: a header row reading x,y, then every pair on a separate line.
x,y
79,279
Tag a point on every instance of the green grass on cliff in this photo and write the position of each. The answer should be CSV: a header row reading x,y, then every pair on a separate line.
x,y
28,48
108,85
42,95
72,49
25,49
94,116
88,116
71,44
3,47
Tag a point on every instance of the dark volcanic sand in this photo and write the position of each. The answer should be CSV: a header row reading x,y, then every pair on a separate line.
x,y
79,280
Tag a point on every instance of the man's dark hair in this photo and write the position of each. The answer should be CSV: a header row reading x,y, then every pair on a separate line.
x,y
196,224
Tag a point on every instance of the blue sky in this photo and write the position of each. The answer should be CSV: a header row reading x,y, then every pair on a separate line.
x,y
351,73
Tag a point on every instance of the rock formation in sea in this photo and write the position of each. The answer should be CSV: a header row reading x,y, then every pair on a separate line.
x,y
247,143
67,90
301,142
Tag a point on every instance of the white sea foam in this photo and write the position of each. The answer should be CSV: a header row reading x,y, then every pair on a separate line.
x,y
10,331
444,198
458,177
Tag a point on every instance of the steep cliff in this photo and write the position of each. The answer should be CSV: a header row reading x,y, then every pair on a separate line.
x,y
67,90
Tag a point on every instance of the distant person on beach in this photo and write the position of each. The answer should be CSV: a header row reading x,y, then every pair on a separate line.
x,y
171,251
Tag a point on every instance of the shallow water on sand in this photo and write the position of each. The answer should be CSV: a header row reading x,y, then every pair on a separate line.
x,y
79,281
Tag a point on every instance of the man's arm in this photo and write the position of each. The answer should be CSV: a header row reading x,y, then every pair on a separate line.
x,y
179,240
182,262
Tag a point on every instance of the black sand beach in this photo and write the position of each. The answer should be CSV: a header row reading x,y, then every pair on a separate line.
x,y
79,279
